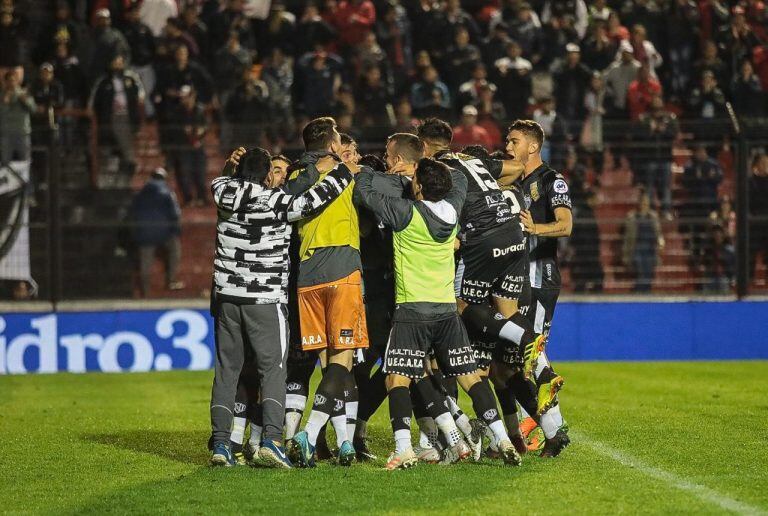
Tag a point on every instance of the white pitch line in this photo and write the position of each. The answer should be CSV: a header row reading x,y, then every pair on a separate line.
x,y
701,492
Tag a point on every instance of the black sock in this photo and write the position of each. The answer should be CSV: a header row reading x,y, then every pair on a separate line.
x,y
400,409
506,400
376,390
487,324
447,386
419,407
484,403
433,400
524,392
351,395
331,388
529,335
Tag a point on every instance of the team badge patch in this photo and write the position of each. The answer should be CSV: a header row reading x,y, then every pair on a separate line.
x,y
535,191
560,186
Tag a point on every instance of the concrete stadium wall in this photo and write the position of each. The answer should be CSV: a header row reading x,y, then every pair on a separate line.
x,y
118,340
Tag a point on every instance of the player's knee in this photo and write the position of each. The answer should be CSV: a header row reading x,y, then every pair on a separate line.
x,y
342,357
396,380
506,307
468,380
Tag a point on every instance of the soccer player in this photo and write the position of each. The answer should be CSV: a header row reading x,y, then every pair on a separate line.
x,y
492,255
250,290
425,321
546,218
331,310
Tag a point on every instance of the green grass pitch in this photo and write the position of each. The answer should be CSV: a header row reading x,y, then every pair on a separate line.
x,y
647,438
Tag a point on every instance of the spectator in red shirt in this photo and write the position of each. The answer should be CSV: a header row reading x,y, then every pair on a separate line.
x,y
641,91
469,132
354,19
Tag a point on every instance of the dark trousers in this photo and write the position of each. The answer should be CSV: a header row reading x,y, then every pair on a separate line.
x,y
645,270
189,166
171,254
265,329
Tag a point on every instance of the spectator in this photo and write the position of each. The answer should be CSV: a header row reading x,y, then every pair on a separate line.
x,y
372,96
198,31
430,96
469,133
599,12
278,75
312,32
495,45
447,24
598,49
142,43
737,40
641,91
645,13
353,20
573,9
393,31
747,92
644,51
525,28
318,78
230,63
591,136
758,211
68,71
63,29
16,109
47,92
586,268
490,114
554,149
708,101
247,113
616,31
183,72
107,42
278,30
232,17
682,31
710,62
719,257
369,53
405,122
155,14
643,243
461,59
154,222
618,77
512,74
657,131
116,100
187,155
172,38
470,90
557,34
701,179
12,42
571,80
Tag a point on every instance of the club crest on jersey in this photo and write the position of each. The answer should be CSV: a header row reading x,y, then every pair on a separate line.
x,y
560,186
535,191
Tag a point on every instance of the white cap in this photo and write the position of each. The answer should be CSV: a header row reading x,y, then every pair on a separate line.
x,y
572,47
469,110
626,46
102,13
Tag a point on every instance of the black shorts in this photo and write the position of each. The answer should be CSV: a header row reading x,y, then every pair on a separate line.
x,y
412,343
379,306
542,309
487,352
494,265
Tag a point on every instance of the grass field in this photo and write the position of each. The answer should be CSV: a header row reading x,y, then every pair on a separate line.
x,y
647,438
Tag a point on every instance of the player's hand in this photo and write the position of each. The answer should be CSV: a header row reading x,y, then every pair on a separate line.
x,y
456,244
353,167
527,220
236,155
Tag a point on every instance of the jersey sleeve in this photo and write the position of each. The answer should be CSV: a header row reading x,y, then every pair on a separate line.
x,y
558,193
292,208
494,166
395,212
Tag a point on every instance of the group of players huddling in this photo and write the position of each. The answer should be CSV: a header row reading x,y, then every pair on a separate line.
x,y
444,262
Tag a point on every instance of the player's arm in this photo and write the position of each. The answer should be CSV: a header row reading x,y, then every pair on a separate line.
x,y
302,180
561,227
295,207
395,212
234,159
504,171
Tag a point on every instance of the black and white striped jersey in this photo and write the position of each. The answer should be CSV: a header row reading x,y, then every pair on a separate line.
x,y
253,234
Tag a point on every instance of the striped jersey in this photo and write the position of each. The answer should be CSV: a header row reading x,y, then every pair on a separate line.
x,y
253,234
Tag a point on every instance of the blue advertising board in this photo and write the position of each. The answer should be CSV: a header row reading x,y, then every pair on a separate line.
x,y
147,340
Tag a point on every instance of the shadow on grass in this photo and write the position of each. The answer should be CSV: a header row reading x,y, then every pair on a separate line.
x,y
185,446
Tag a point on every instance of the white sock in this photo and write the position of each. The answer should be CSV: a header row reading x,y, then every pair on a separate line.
x,y
494,443
461,419
499,432
361,429
255,435
292,422
315,423
447,426
551,421
351,409
402,440
511,331
294,410
427,432
542,362
238,430
340,426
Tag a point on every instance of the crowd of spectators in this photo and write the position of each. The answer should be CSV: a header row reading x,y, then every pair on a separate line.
x,y
618,75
